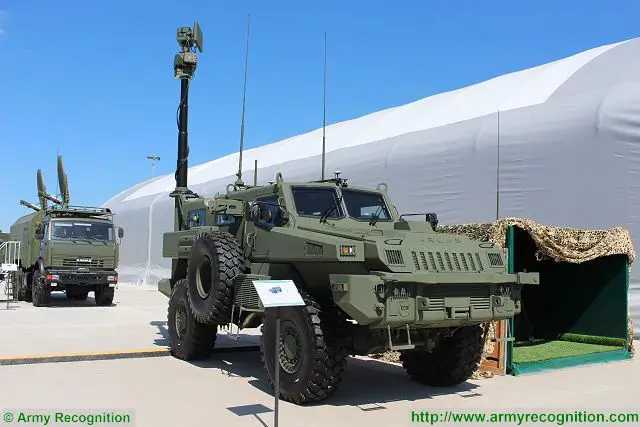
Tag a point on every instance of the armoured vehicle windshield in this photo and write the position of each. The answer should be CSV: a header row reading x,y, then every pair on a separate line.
x,y
328,201
83,230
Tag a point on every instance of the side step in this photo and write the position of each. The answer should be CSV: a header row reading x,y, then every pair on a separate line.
x,y
407,346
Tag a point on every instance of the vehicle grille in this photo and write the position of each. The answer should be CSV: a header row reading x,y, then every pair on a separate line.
x,y
245,294
447,261
480,298
73,263
495,260
394,257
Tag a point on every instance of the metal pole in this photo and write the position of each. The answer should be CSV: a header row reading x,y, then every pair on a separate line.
x,y
255,173
276,363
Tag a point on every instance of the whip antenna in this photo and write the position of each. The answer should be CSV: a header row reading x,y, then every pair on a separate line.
x,y
498,173
244,102
324,108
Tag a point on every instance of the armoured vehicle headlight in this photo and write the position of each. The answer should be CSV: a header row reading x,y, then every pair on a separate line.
x,y
112,278
347,250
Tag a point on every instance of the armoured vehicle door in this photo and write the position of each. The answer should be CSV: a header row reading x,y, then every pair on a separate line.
x,y
265,216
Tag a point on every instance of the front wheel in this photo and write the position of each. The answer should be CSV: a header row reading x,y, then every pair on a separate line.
x,y
310,367
188,338
104,295
451,362
40,290
24,290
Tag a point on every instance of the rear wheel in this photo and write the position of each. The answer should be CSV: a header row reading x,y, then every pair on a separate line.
x,y
310,367
188,338
451,362
40,291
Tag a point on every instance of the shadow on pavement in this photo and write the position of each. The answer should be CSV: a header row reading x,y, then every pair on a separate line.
x,y
59,300
365,381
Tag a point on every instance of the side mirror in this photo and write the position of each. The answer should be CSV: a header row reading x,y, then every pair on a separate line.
x,y
432,219
120,232
283,217
39,232
254,211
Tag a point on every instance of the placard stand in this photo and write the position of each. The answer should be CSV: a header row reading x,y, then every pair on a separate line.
x,y
274,294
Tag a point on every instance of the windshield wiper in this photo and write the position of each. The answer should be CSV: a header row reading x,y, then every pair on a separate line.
x,y
376,216
96,239
330,209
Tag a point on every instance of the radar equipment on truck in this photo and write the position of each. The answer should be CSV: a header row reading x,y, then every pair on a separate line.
x,y
66,248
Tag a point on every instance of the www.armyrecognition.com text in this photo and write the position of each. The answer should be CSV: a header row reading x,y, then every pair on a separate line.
x,y
59,418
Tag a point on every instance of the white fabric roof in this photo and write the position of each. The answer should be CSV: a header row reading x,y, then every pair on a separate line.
x,y
507,92
569,135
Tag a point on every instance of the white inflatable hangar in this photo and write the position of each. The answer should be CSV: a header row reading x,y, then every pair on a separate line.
x,y
569,155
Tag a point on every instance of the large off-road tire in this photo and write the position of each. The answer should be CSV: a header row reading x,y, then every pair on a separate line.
x,y
24,289
188,338
310,367
216,258
104,295
40,291
451,362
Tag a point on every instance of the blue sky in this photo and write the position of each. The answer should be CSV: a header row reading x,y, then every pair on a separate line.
x,y
93,80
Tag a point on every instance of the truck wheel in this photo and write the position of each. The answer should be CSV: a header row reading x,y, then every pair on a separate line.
x,y
188,338
216,258
452,361
310,368
104,295
40,291
22,287
25,289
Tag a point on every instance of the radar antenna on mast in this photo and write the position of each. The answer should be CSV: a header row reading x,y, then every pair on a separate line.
x,y
239,182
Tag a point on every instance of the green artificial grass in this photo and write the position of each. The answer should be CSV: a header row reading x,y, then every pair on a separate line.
x,y
556,349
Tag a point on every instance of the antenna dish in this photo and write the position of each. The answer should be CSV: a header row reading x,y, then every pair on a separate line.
x,y
197,36
63,183
42,191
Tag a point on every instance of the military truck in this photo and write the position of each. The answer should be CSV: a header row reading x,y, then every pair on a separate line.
x,y
371,279
73,249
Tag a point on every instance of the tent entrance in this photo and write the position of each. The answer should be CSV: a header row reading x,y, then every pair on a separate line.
x,y
576,315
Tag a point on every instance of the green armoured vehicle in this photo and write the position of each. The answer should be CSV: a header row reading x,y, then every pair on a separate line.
x,y
371,280
66,248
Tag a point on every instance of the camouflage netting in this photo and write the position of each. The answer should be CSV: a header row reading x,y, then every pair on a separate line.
x,y
561,244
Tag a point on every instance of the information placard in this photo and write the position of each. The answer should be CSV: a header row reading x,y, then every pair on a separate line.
x,y
278,293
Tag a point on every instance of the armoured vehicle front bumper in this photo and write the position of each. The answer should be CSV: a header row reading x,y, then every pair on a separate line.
x,y
95,277
382,299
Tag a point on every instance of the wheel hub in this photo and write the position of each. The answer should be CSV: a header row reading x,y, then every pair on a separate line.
x,y
203,278
181,320
290,349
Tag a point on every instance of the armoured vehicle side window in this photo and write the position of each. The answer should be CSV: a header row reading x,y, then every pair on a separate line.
x,y
222,220
314,201
196,218
270,208
363,205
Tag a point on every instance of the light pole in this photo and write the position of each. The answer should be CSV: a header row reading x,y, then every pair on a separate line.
x,y
153,159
